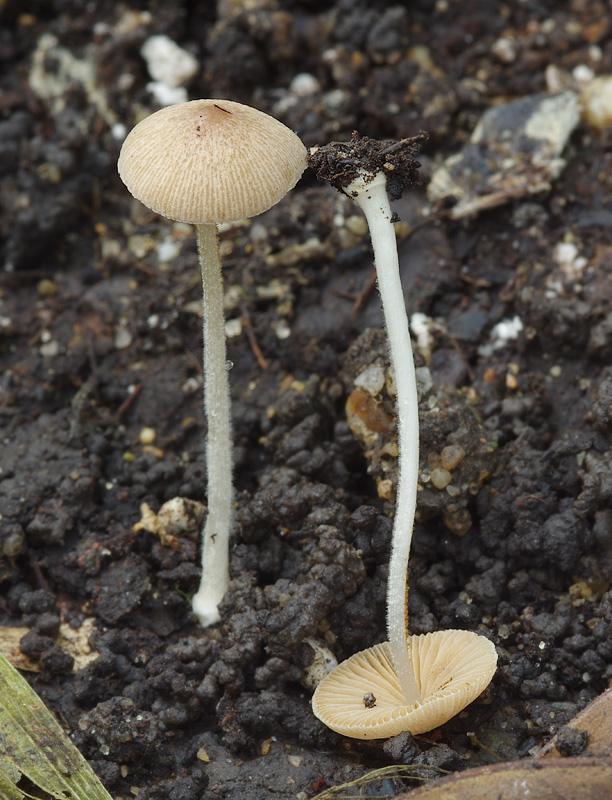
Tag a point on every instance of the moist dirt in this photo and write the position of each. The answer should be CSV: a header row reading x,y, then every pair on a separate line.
x,y
101,394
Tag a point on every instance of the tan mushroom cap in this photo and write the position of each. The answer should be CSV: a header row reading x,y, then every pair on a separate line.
x,y
210,161
452,668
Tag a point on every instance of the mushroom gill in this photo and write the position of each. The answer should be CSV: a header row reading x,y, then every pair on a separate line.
x,y
362,697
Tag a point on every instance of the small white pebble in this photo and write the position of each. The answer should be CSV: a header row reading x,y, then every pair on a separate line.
x,y
595,52
167,62
504,50
582,73
119,131
193,384
505,331
424,379
282,329
50,349
233,328
168,250
101,29
304,84
420,327
147,436
572,265
372,379
334,99
258,232
126,81
123,339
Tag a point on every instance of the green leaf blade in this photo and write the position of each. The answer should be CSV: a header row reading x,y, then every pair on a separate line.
x,y
32,743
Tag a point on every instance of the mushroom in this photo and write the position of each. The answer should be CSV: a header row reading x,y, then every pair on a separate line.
x,y
207,162
362,697
369,172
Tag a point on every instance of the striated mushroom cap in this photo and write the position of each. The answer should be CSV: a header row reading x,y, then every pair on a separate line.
x,y
362,698
210,161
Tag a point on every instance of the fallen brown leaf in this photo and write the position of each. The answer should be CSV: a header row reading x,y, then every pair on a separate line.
x,y
540,779
596,720
74,642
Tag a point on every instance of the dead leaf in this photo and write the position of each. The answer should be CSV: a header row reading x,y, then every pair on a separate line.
x,y
546,779
33,745
73,641
596,720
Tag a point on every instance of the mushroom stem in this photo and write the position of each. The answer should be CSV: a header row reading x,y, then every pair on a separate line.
x,y
215,557
370,193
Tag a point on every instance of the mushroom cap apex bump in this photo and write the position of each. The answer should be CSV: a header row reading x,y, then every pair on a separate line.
x,y
210,161
451,667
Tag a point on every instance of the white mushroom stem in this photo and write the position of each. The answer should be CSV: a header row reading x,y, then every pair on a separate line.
x,y
370,194
215,550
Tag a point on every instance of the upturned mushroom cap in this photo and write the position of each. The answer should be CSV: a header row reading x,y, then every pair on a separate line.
x,y
362,698
210,161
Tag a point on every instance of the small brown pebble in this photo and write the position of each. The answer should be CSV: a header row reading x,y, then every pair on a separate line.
x,y
47,288
451,456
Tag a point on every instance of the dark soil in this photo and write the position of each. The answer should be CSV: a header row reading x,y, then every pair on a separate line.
x,y
100,339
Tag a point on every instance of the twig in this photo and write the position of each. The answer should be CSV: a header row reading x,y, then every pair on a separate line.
x,y
475,741
364,294
197,362
345,295
87,387
457,346
125,406
245,319
40,578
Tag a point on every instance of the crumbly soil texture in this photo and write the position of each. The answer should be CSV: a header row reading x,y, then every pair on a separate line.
x,y
101,393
